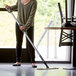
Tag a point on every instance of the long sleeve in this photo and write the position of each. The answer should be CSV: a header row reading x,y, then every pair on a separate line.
x,y
14,7
31,16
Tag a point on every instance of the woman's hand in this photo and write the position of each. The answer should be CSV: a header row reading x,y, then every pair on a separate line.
x,y
21,28
6,7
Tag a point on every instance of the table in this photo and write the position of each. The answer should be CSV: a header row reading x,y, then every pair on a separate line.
x,y
74,43
57,28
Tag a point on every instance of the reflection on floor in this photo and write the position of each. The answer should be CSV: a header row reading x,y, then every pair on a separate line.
x,y
27,70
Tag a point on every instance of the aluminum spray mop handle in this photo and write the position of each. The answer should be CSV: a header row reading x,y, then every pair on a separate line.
x,y
29,39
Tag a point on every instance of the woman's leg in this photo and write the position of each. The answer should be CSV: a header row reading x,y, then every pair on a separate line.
x,y
30,49
19,40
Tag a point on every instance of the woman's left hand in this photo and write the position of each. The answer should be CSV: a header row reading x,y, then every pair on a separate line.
x,y
21,28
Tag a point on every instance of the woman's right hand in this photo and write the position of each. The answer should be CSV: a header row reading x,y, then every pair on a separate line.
x,y
6,7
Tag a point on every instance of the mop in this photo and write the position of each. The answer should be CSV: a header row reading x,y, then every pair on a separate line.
x,y
47,67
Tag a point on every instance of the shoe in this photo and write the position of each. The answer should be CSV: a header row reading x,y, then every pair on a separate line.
x,y
34,66
15,64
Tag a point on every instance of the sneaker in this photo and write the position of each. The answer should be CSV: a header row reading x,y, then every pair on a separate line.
x,y
16,64
34,66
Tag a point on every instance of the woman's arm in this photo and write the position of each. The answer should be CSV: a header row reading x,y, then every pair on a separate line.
x,y
14,7
31,17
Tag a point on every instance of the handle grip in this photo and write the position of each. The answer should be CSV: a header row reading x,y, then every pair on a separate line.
x,y
9,10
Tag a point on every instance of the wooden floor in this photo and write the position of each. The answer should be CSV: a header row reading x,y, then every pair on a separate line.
x,y
27,70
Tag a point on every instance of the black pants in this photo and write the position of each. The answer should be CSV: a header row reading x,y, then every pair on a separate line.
x,y
19,40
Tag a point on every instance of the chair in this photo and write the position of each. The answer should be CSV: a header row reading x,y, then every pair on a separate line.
x,y
66,37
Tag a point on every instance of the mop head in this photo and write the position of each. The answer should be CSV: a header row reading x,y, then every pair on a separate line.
x,y
46,68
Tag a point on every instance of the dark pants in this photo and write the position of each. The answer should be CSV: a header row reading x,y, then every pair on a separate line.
x,y
19,40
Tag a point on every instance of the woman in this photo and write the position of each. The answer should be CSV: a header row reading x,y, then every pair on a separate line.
x,y
26,13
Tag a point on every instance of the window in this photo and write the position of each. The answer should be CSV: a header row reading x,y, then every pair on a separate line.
x,y
7,26
9,2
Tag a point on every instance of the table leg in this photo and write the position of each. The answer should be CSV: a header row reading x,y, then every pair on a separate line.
x,y
74,49
74,53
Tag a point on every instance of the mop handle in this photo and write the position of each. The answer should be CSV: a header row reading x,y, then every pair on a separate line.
x,y
8,8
